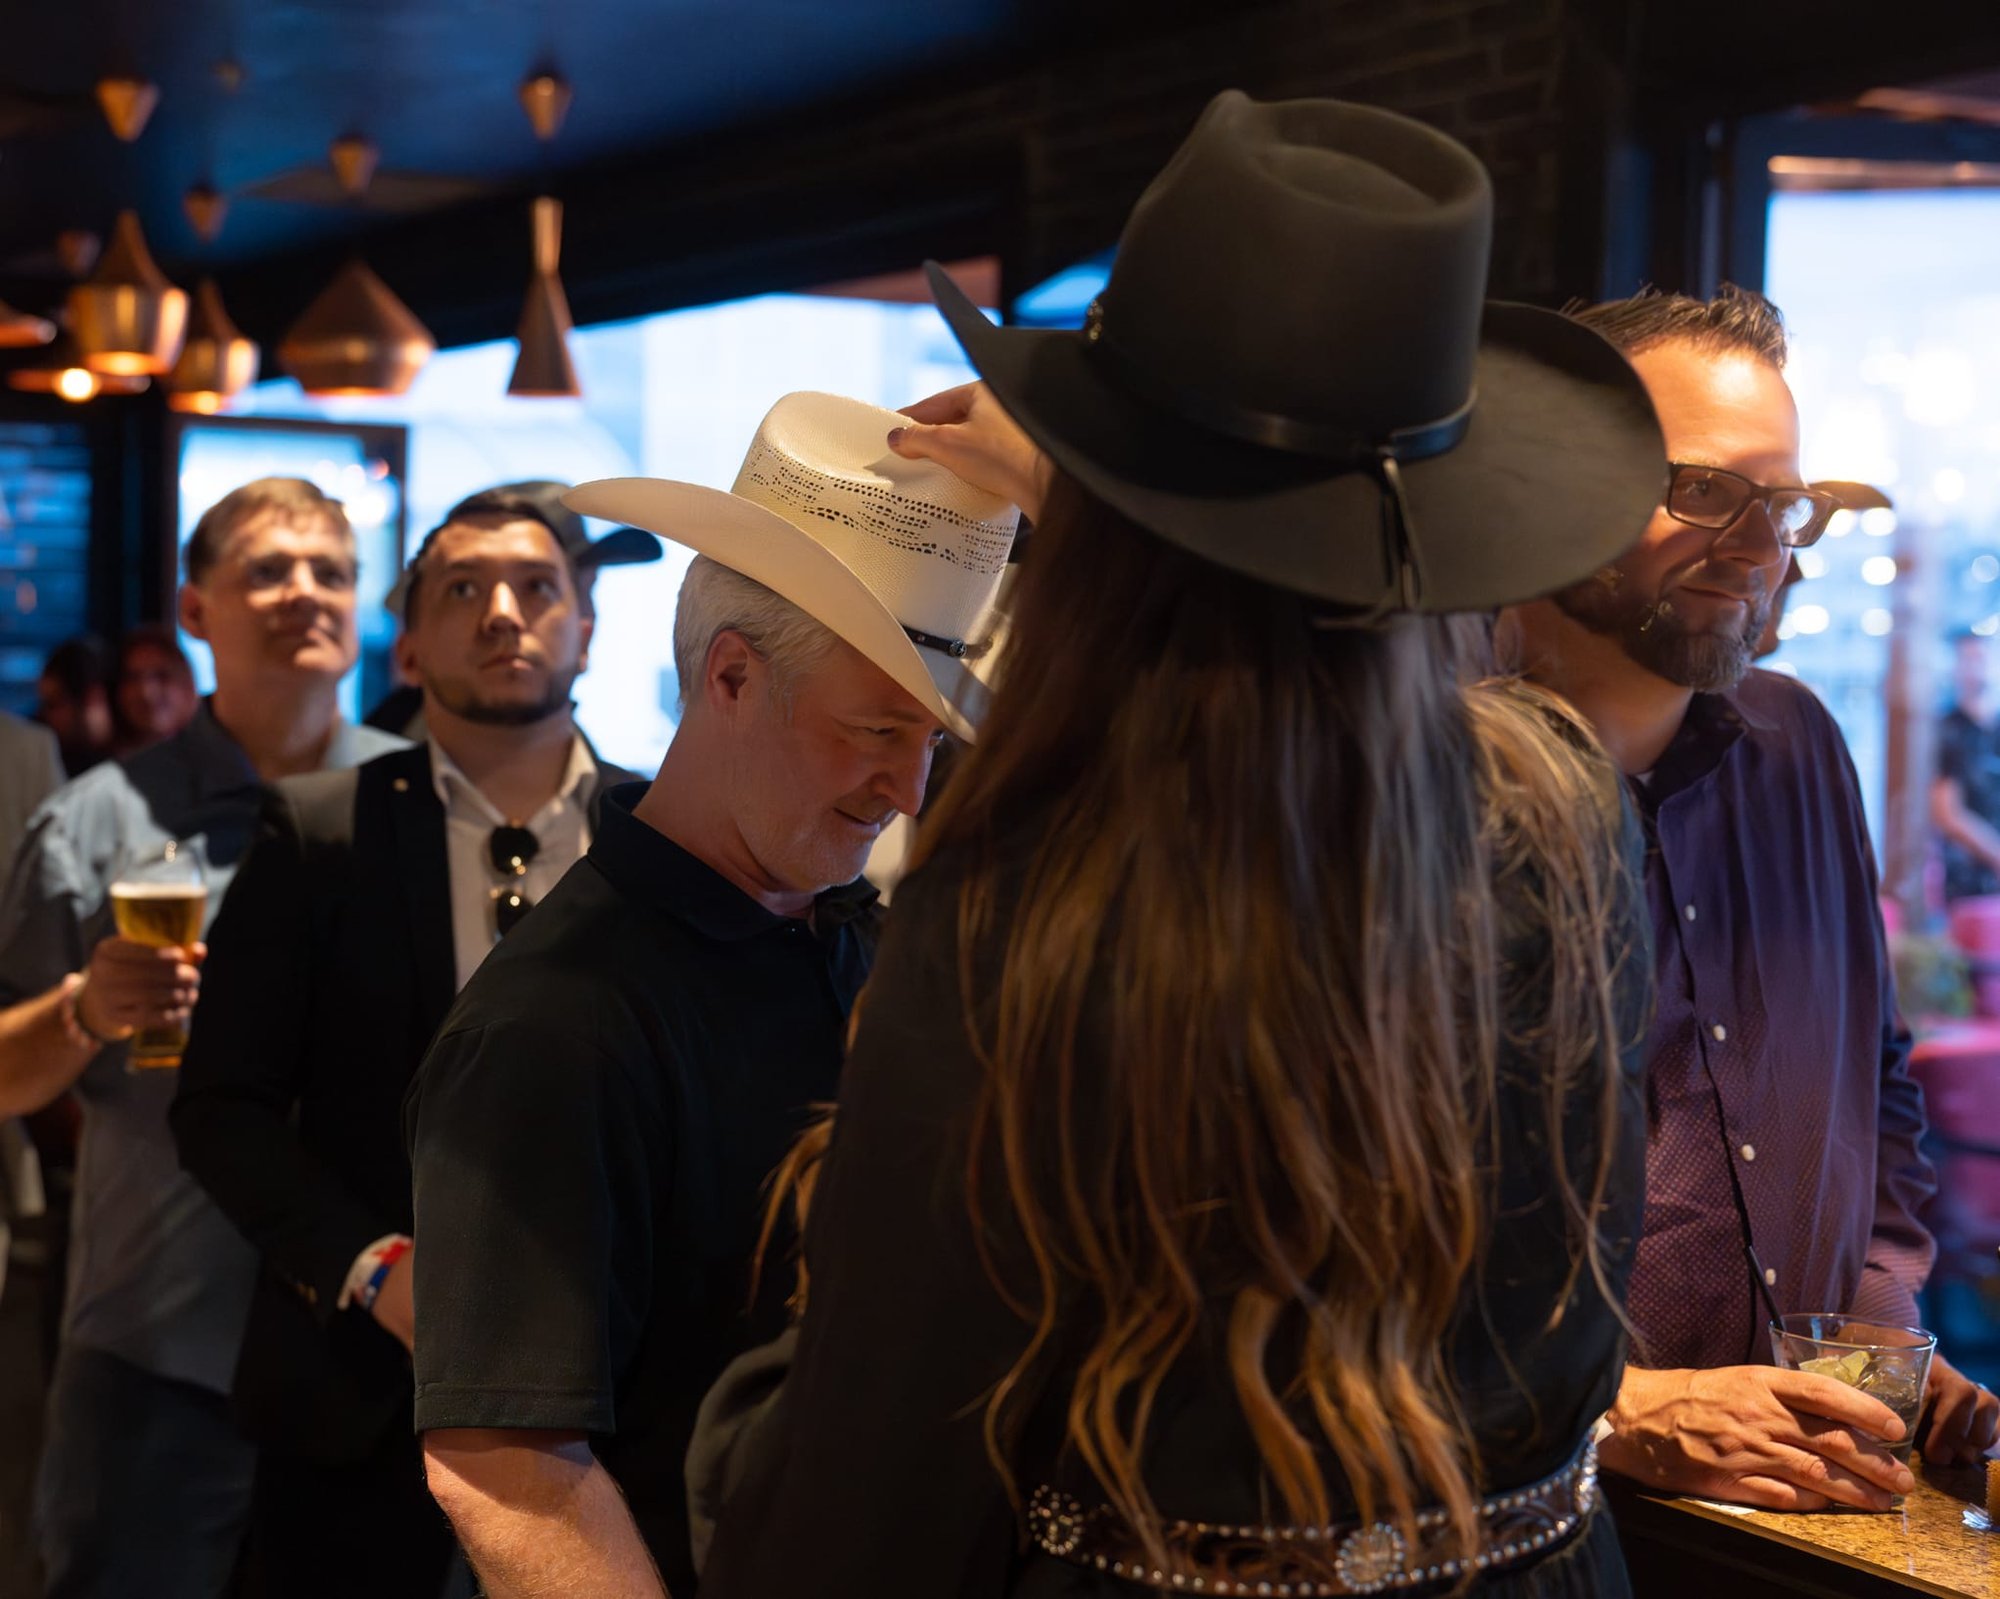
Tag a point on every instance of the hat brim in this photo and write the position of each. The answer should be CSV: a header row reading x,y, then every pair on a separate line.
x,y
622,546
1557,475
764,547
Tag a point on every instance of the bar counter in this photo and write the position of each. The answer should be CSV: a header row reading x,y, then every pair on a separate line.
x,y
1939,1542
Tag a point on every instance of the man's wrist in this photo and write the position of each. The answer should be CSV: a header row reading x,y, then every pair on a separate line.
x,y
370,1270
69,1009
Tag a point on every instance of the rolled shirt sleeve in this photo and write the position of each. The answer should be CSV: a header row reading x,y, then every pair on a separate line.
x,y
1901,1250
533,1228
53,910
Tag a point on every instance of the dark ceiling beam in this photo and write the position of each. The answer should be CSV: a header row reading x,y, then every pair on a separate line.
x,y
865,184
1694,60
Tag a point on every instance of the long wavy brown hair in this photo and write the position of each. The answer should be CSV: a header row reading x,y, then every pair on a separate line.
x,y
1240,1058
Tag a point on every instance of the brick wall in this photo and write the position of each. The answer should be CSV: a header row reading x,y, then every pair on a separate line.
x,y
1488,72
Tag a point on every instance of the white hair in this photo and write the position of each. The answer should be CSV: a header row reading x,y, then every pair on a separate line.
x,y
716,599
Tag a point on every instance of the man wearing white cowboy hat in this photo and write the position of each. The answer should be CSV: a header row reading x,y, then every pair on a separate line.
x,y
591,1130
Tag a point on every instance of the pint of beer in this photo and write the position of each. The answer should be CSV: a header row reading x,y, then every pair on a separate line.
x,y
161,902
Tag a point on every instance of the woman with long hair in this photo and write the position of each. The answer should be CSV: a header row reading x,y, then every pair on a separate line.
x,y
1237,1162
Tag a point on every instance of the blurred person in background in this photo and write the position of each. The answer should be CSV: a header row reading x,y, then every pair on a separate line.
x,y
153,692
1965,794
73,701
31,770
144,1485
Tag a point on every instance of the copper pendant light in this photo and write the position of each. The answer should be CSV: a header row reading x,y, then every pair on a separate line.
x,y
20,330
353,159
543,369
216,361
127,318
78,250
356,338
127,103
546,99
206,207
61,371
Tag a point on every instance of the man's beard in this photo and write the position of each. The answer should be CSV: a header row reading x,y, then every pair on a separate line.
x,y
1655,634
469,705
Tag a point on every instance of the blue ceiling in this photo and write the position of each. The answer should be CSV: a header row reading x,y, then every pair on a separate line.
x,y
432,83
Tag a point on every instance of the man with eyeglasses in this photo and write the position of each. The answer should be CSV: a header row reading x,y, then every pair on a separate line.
x,y
1783,1171
368,900
144,1481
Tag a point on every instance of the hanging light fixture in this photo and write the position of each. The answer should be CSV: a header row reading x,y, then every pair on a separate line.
x,y
78,250
127,104
216,361
205,207
61,371
19,330
546,98
544,369
127,318
353,159
356,338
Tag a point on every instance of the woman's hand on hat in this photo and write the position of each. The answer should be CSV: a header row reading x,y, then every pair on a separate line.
x,y
965,431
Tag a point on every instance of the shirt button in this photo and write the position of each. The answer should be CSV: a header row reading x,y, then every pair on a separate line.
x,y
401,785
1689,913
1719,1032
1770,1277
1748,1152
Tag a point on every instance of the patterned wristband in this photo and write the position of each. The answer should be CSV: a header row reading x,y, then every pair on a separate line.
x,y
372,1288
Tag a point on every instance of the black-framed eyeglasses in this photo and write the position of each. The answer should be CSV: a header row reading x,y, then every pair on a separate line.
x,y
1708,496
510,849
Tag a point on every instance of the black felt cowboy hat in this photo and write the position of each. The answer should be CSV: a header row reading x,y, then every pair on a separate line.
x,y
1293,372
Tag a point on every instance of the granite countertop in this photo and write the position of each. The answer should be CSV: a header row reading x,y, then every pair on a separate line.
x,y
1939,1542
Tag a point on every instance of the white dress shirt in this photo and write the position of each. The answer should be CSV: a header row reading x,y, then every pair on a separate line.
x,y
561,826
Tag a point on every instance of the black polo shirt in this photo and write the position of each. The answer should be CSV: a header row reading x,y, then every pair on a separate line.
x,y
591,1133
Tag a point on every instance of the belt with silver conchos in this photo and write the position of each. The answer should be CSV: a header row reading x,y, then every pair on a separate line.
x,y
1319,1562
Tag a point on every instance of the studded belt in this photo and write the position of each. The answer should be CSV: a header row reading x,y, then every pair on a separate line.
x,y
1319,1562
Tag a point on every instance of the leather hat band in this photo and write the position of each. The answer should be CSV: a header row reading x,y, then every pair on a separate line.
x,y
1272,430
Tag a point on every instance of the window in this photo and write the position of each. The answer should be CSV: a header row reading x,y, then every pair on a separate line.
x,y
1893,300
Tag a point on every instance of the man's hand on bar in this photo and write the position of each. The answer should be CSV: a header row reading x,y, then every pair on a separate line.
x,y
1754,1435
1962,1417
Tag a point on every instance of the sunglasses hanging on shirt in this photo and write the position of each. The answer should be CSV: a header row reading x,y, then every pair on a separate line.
x,y
511,849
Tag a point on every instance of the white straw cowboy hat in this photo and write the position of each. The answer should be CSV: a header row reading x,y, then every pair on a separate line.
x,y
900,559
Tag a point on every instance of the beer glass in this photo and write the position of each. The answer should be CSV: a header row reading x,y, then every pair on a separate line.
x,y
160,900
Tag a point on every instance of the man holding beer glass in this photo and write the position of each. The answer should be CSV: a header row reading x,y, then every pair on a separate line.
x,y
145,1482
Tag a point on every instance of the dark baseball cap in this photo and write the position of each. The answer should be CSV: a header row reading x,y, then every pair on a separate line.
x,y
541,499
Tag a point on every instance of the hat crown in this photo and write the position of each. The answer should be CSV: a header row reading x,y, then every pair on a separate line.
x,y
1311,260
928,545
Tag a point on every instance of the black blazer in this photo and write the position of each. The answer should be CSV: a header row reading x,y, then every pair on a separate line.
x,y
330,966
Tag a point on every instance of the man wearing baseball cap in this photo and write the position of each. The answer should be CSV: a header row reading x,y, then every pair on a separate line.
x,y
401,710
593,1126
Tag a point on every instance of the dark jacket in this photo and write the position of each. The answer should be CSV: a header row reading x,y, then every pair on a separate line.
x,y
328,971
872,1463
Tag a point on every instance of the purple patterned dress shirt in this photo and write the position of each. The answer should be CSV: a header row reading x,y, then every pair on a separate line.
x,y
1777,1052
